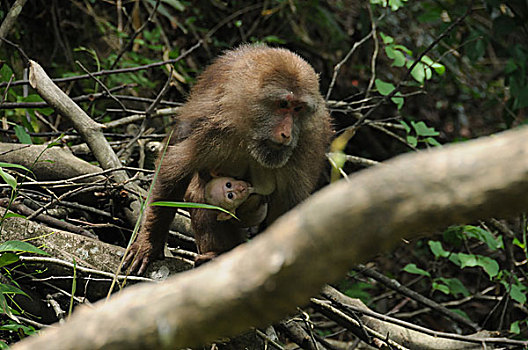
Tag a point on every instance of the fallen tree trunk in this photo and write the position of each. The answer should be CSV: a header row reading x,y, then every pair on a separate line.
x,y
70,247
317,242
45,162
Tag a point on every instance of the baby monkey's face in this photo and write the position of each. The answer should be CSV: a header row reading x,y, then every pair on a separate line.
x,y
227,192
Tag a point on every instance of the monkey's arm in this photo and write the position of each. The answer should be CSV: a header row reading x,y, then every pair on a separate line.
x,y
253,211
171,183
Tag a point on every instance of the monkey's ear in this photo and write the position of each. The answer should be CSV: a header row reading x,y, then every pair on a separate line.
x,y
223,216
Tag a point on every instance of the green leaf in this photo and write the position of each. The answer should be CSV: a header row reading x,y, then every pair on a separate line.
x,y
454,236
403,49
31,98
455,259
418,72
357,290
13,215
273,39
10,165
439,68
441,287
432,142
22,135
19,246
18,328
396,4
515,327
427,60
397,56
437,249
467,260
518,243
8,258
5,72
10,180
386,39
406,126
338,159
484,236
517,293
384,88
177,5
398,101
412,268
55,142
192,205
422,129
490,266
411,140
456,287
9,289
4,308
429,63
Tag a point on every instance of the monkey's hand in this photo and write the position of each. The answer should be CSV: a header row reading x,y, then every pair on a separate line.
x,y
140,254
203,258
253,211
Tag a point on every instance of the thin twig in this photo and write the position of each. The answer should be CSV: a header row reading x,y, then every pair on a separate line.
x,y
135,34
435,42
393,284
113,71
105,88
338,66
374,54
81,98
11,18
110,275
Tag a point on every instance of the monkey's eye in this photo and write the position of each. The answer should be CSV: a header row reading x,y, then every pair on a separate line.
x,y
298,109
230,195
228,184
283,104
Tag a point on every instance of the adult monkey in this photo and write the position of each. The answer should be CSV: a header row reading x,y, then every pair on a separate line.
x,y
255,114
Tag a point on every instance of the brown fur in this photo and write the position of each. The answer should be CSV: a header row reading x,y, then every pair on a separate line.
x,y
217,236
234,123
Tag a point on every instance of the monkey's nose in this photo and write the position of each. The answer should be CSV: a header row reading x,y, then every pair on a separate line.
x,y
285,138
240,188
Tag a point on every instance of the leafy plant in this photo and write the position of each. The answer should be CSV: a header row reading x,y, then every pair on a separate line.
x,y
401,56
9,254
459,237
385,88
419,132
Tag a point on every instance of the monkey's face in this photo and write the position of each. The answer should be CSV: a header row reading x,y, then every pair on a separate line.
x,y
278,123
227,192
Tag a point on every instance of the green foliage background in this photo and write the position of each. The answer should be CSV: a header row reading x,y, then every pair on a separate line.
x,y
471,83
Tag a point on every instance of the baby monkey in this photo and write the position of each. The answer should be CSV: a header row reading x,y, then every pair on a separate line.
x,y
229,193
223,233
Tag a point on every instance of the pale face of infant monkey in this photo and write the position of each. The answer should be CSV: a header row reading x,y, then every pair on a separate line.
x,y
228,193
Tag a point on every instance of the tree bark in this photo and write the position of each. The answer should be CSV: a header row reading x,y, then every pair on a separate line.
x,y
317,242
11,18
54,163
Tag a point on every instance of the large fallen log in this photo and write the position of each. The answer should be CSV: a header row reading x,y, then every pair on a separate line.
x,y
317,242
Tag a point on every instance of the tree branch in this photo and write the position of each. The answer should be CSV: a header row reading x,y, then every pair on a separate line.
x,y
342,225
